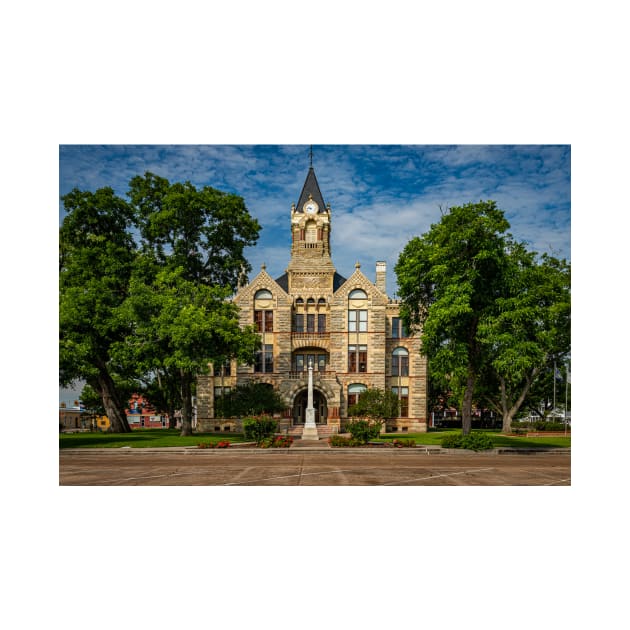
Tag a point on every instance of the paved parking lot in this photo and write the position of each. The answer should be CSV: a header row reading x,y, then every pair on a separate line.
x,y
301,467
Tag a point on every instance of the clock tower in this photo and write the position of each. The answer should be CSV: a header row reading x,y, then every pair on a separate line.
x,y
311,267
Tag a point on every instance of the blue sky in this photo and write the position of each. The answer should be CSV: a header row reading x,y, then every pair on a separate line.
x,y
380,195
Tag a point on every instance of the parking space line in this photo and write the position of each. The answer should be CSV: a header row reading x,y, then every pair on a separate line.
x,y
298,474
463,472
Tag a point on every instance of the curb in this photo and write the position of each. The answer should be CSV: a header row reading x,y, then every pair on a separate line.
x,y
420,450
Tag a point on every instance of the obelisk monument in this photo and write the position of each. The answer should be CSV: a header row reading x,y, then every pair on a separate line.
x,y
310,428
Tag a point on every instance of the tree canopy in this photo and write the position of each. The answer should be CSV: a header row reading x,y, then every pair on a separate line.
x,y
490,314
376,405
157,307
96,259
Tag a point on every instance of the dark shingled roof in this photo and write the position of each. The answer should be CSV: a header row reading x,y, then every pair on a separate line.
x,y
338,280
311,187
283,281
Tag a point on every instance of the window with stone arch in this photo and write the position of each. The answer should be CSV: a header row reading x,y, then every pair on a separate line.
x,y
263,317
400,362
354,392
311,232
357,317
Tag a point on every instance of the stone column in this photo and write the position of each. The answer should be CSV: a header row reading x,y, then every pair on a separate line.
x,y
310,429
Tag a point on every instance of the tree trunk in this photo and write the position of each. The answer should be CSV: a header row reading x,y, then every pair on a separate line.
x,y
467,402
172,422
114,409
186,380
509,413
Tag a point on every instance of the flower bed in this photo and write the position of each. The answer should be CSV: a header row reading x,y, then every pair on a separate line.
x,y
222,444
279,441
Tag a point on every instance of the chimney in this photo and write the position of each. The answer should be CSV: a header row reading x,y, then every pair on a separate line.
x,y
381,269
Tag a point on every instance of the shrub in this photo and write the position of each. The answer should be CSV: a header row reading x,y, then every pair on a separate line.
x,y
222,444
452,440
338,440
472,441
477,441
363,431
257,429
547,425
282,441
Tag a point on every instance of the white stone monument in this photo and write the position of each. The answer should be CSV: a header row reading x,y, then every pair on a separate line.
x,y
310,428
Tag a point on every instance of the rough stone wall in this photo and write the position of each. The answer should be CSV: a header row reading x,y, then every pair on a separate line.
x,y
310,274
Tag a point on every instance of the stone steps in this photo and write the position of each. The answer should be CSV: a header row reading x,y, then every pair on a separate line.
x,y
323,430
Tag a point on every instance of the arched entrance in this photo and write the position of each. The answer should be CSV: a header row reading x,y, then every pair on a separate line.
x,y
319,403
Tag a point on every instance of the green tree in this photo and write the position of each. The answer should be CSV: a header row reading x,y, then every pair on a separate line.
x,y
189,324
203,232
95,263
529,332
193,245
449,280
249,399
373,408
376,405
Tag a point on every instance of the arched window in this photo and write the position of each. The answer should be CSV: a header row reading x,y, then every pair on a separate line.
x,y
400,362
310,301
357,317
311,232
357,294
299,301
354,391
321,302
263,319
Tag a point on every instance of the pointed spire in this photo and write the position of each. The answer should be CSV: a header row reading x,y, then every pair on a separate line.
x,y
311,189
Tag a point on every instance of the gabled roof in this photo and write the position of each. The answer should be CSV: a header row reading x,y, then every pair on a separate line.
x,y
359,281
262,281
311,187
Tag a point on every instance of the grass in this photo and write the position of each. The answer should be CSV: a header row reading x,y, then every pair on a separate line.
x,y
434,438
142,438
154,438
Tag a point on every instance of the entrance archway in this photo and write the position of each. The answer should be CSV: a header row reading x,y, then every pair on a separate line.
x,y
319,403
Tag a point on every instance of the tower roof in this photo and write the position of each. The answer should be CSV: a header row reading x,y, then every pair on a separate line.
x,y
311,189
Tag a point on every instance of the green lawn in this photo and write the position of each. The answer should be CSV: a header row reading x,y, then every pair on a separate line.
x,y
142,438
434,438
153,438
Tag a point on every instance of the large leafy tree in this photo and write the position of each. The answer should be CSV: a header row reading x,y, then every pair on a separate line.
x,y
97,253
193,243
189,324
203,232
449,280
530,331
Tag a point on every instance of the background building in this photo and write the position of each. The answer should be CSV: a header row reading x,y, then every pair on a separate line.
x,y
347,328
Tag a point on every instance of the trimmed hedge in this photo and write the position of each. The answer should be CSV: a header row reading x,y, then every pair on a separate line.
x,y
472,441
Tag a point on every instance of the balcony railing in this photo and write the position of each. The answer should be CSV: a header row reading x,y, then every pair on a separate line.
x,y
317,375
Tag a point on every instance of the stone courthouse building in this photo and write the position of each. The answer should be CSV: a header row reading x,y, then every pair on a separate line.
x,y
348,329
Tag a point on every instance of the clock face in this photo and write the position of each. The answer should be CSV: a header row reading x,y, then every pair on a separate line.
x,y
310,207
